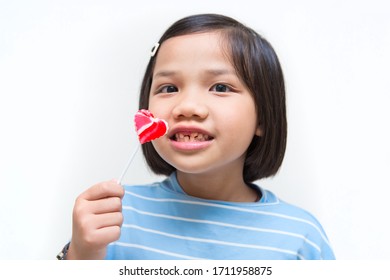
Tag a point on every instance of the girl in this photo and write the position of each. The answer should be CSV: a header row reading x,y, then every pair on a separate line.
x,y
220,87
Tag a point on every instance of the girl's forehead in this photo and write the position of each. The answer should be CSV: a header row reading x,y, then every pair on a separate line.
x,y
194,41
193,48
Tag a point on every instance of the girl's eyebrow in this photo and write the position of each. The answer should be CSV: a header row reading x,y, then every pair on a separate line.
x,y
165,73
219,72
210,72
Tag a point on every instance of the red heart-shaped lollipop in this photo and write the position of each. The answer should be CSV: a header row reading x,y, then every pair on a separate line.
x,y
148,127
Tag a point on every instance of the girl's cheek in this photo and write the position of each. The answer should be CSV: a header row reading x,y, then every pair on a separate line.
x,y
160,108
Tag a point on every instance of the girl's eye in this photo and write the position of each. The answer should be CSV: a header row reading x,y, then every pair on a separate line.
x,y
220,88
168,89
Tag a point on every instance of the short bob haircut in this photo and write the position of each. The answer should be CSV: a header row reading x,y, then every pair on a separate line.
x,y
258,67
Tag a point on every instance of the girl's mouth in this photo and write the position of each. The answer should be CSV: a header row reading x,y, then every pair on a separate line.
x,y
190,137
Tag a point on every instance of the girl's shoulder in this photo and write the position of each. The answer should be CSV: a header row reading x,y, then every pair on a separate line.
x,y
280,209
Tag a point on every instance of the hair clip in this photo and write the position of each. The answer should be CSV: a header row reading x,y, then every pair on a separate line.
x,y
154,49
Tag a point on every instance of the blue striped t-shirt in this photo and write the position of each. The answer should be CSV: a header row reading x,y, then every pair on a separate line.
x,y
162,222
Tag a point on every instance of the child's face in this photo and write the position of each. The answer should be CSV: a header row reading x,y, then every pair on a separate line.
x,y
211,113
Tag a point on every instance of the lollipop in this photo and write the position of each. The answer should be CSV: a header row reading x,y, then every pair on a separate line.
x,y
148,129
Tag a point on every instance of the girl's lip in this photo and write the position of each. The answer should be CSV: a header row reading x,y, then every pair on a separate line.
x,y
189,145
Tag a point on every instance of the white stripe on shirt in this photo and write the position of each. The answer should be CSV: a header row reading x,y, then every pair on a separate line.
x,y
224,225
131,245
233,208
251,246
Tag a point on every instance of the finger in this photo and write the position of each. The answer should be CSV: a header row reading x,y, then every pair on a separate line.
x,y
108,220
106,235
106,205
103,190
99,238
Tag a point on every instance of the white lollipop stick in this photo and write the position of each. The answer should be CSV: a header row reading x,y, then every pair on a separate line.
x,y
128,164
148,128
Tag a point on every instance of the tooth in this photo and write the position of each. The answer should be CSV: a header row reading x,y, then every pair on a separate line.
x,y
179,136
191,137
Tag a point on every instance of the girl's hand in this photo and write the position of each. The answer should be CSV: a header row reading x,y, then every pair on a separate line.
x,y
97,220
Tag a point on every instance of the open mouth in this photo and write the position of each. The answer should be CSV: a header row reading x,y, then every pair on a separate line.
x,y
191,137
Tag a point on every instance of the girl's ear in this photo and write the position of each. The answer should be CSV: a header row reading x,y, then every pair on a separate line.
x,y
259,131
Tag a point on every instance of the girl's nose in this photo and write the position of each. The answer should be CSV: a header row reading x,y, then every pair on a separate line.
x,y
190,106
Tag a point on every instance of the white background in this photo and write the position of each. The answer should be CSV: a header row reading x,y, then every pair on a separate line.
x,y
69,78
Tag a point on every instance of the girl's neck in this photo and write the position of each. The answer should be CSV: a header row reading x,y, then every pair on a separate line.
x,y
226,186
